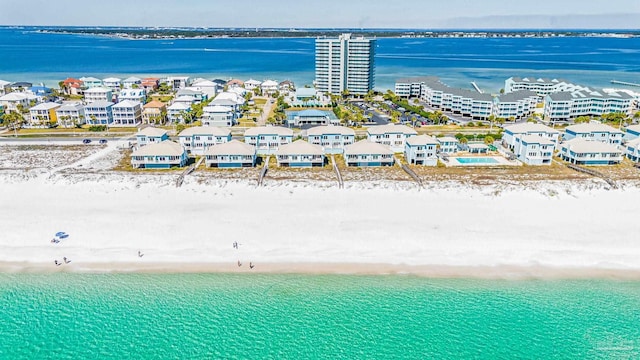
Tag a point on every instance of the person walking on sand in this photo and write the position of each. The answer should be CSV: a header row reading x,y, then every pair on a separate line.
x,y
66,261
57,262
251,265
140,254
239,263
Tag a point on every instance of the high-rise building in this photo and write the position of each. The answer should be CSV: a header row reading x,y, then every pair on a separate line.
x,y
345,63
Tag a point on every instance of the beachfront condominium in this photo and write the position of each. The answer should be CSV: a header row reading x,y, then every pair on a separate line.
x,y
345,64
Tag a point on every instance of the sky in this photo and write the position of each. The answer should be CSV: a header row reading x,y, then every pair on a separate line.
x,y
424,14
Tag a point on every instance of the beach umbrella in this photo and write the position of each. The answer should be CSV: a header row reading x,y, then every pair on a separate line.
x,y
62,234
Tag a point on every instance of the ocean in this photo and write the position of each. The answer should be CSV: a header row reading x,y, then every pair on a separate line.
x,y
27,55
258,316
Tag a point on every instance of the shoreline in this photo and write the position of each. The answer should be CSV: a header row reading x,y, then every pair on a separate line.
x,y
500,272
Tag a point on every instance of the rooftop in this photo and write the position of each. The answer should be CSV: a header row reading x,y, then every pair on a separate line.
x,y
152,131
205,130
529,128
366,147
391,129
422,140
535,139
591,127
300,147
233,147
330,130
579,145
268,130
166,147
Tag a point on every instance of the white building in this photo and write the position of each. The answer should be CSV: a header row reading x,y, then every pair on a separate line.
x,y
139,95
584,152
515,105
391,135
421,150
197,139
98,94
448,144
70,114
252,84
365,153
534,149
468,103
112,82
300,154
162,155
267,139
99,113
633,150
513,131
565,106
11,101
411,87
345,63
217,116
268,87
178,82
131,82
541,86
127,113
632,132
333,139
176,112
207,87
232,154
594,131
43,114
151,135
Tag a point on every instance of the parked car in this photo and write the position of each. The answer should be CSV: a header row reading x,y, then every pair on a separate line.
x,y
86,141
103,141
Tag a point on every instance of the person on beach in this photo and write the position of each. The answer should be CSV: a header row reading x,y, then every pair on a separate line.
x,y
239,263
140,254
57,263
251,265
66,261
235,244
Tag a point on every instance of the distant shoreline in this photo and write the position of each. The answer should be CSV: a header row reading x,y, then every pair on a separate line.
x,y
177,34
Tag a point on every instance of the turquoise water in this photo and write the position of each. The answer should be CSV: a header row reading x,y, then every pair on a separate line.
x,y
26,55
477,160
221,316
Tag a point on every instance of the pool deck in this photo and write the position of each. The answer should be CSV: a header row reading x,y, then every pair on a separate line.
x,y
500,161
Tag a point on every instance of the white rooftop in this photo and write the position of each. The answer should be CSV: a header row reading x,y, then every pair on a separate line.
x,y
217,109
268,130
233,147
205,130
422,140
300,147
535,139
151,131
127,104
366,147
166,147
529,127
98,90
592,127
391,129
46,106
580,145
330,130
179,106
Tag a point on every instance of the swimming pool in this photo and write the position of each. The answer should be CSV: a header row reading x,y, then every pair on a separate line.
x,y
477,160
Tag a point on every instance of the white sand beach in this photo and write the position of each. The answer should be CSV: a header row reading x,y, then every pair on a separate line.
x,y
546,229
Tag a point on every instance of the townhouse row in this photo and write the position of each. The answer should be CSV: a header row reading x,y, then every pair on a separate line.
x,y
562,101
